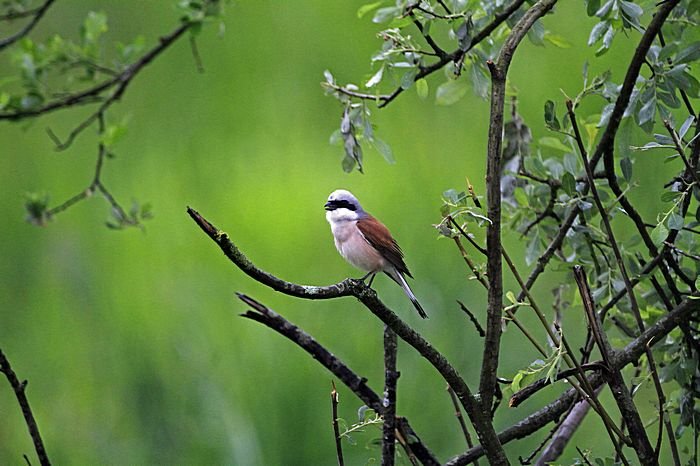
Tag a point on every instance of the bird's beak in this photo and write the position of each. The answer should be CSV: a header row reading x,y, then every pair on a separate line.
x,y
328,206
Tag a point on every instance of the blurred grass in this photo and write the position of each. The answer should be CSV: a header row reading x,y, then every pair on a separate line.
x,y
131,341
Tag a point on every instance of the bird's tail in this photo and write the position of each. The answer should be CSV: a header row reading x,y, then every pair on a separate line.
x,y
399,278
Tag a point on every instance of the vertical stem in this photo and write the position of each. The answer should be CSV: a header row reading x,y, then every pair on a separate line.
x,y
460,419
390,379
638,435
336,429
19,389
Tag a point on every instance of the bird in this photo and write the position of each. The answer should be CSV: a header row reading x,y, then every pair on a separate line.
x,y
366,243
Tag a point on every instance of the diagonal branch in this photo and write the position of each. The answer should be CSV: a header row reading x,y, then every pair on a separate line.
x,y
479,417
266,316
19,389
619,359
37,14
638,435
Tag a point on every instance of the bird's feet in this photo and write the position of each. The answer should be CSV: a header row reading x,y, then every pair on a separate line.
x,y
371,276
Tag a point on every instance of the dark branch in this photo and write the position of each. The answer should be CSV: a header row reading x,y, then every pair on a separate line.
x,y
19,388
38,13
390,378
458,54
499,71
336,429
358,385
368,297
563,435
619,359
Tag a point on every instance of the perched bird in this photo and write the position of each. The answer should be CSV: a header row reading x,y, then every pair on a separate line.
x,y
366,243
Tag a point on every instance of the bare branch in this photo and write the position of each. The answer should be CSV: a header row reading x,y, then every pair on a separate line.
x,y
37,13
499,71
356,288
390,378
638,435
19,388
336,430
619,359
266,316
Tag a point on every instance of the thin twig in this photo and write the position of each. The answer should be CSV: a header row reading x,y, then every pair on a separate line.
x,y
460,419
20,388
38,14
336,429
638,434
472,318
390,379
358,385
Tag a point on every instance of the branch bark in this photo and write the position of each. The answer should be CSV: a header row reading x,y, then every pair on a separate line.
x,y
19,388
358,385
619,359
499,71
479,417
391,377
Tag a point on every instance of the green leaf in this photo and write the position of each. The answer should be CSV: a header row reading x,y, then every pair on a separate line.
x,y
626,166
647,112
557,40
480,82
568,183
94,26
450,92
675,222
554,143
570,163
386,14
384,149
364,9
688,54
510,296
659,234
376,78
550,116
597,32
686,126
592,6
422,88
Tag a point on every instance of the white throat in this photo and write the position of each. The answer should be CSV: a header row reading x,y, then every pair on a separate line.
x,y
341,215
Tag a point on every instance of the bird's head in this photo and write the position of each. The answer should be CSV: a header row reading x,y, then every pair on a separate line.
x,y
342,205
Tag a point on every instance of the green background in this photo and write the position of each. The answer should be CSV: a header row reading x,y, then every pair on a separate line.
x,y
131,340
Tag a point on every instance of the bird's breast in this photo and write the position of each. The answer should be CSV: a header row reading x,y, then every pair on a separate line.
x,y
354,247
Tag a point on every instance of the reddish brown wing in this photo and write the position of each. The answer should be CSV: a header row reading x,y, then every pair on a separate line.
x,y
379,237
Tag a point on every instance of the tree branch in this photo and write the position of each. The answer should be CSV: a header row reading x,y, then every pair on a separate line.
x,y
349,287
19,389
499,71
623,398
38,13
336,429
563,435
390,378
619,359
358,385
